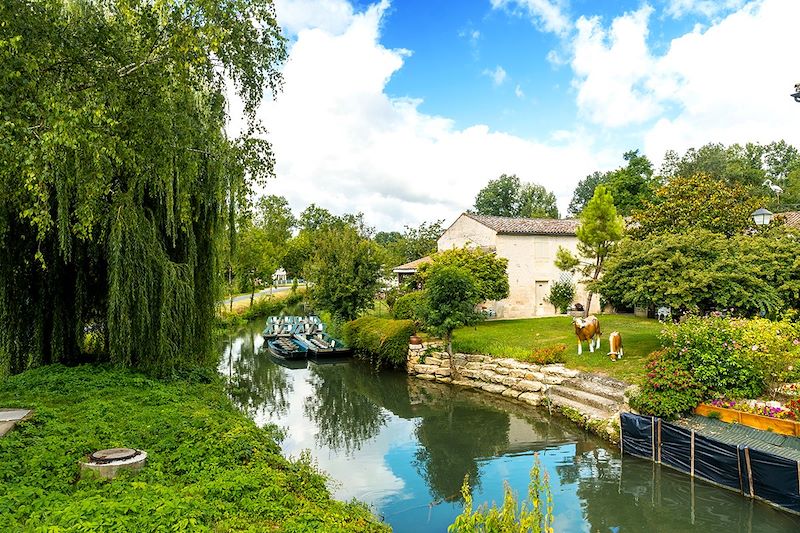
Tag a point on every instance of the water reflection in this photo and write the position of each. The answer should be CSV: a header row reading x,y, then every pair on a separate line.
x,y
343,415
404,445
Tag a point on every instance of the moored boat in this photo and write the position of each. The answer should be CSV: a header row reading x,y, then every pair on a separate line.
x,y
287,348
323,345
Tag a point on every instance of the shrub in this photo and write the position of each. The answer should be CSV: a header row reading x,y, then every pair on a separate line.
x,y
381,340
712,356
561,295
409,306
533,515
549,355
669,388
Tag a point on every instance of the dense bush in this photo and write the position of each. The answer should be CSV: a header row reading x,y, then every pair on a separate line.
x,y
381,340
561,295
409,306
711,356
549,354
209,467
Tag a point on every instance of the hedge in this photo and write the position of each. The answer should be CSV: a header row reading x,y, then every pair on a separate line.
x,y
381,340
409,306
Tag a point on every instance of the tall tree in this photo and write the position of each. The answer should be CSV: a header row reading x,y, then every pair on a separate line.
x,y
584,192
697,201
537,202
506,196
630,185
344,271
116,170
600,228
274,215
451,296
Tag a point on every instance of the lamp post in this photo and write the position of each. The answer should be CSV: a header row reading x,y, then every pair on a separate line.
x,y
762,217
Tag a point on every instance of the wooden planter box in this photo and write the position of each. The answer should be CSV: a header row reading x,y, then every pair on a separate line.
x,y
776,425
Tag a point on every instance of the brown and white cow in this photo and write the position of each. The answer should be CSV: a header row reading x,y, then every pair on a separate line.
x,y
615,345
587,329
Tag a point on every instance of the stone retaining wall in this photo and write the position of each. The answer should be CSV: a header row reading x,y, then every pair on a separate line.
x,y
592,401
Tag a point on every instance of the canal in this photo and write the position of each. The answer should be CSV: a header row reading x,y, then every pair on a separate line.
x,y
404,445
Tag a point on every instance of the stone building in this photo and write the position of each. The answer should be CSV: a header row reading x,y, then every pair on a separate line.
x,y
530,245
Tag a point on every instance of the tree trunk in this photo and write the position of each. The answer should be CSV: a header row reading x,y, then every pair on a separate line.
x,y
252,293
230,287
588,304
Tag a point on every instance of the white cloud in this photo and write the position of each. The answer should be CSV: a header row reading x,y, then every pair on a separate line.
x,y
706,8
518,91
333,16
341,142
726,83
612,69
498,75
546,14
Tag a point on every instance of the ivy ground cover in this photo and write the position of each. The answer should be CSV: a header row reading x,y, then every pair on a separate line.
x,y
209,467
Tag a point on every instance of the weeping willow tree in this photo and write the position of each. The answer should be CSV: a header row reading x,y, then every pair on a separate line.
x,y
116,176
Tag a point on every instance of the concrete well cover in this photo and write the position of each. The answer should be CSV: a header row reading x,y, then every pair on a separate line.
x,y
113,454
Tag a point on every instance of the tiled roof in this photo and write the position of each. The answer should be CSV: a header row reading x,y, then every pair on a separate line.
x,y
413,265
528,226
790,218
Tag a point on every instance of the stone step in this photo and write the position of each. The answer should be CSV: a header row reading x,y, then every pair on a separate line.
x,y
592,412
599,386
584,398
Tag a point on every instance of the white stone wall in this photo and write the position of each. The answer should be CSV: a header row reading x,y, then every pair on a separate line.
x,y
467,231
526,382
531,268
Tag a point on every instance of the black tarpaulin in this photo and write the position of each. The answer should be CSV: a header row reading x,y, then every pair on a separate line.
x,y
716,461
676,447
637,434
775,479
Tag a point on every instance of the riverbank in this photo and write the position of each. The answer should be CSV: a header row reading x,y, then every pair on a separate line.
x,y
592,401
210,468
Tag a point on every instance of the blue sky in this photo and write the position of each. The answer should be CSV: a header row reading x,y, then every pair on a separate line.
x,y
404,109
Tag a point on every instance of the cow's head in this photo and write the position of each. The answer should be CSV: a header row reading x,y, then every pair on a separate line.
x,y
578,322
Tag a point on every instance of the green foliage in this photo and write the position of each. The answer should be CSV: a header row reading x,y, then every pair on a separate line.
x,y
670,388
209,467
412,244
344,272
410,306
714,356
381,340
548,355
274,215
599,230
256,259
698,201
533,515
451,296
701,271
488,270
116,170
631,185
506,196
561,294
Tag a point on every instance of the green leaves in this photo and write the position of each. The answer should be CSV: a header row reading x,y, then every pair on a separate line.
x,y
506,196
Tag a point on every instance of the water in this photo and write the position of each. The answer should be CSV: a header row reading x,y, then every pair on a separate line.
x,y
403,446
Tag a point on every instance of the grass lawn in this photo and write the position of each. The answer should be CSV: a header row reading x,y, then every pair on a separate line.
x,y
516,338
209,467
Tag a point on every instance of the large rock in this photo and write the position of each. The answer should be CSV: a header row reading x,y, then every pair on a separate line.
x,y
474,358
443,379
428,377
488,376
435,361
507,363
466,383
444,372
528,386
531,398
559,370
509,381
502,370
425,369
472,374
553,380
493,388
517,372
474,365
534,376
511,393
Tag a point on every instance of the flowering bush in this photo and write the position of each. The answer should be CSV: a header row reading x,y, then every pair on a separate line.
x,y
548,355
790,411
703,357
